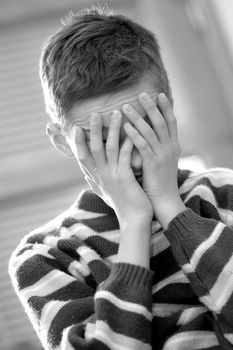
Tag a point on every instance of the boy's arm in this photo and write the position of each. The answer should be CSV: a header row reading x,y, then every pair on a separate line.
x,y
67,313
201,239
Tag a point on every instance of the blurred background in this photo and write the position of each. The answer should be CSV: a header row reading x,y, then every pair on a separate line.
x,y
37,182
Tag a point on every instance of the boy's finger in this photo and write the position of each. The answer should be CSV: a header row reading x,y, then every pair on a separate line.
x,y
96,141
85,158
125,155
169,116
112,145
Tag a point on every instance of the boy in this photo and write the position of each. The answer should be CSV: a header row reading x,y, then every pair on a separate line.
x,y
143,259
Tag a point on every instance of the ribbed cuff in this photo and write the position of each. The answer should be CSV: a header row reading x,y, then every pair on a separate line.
x,y
182,225
131,276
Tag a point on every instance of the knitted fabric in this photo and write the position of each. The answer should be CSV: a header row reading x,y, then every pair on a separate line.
x,y
78,296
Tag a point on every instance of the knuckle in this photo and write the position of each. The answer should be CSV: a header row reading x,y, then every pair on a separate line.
x,y
109,148
150,105
149,133
143,144
162,125
95,149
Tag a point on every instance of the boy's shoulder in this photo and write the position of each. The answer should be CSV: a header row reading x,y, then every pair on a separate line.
x,y
215,176
57,225
87,206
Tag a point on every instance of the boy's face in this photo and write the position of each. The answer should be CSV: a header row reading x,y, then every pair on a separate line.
x,y
80,114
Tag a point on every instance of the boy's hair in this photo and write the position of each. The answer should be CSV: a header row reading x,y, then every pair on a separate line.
x,y
94,53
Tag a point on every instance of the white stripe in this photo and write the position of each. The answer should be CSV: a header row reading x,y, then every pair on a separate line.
x,y
88,254
48,313
48,284
37,249
222,289
79,214
165,310
178,277
51,241
115,341
84,232
83,266
190,314
218,177
191,340
75,268
229,337
124,305
204,246
65,344
159,243
204,192
226,216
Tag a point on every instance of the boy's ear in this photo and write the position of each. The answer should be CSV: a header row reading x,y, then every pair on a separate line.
x,y
58,140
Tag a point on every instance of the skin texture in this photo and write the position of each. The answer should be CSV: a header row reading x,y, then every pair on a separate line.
x,y
80,114
148,136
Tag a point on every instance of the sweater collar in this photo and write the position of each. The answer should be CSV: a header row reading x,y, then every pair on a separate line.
x,y
90,201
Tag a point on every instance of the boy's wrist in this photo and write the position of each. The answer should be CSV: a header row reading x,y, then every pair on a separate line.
x,y
168,209
134,247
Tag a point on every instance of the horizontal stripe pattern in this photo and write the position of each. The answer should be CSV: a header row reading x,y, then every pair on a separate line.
x,y
67,276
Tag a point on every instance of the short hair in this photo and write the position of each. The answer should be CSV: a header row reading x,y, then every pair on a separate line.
x,y
96,52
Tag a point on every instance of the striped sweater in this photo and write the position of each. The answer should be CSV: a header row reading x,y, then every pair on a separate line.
x,y
77,295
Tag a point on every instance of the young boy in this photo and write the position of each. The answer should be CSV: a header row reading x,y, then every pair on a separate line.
x,y
143,259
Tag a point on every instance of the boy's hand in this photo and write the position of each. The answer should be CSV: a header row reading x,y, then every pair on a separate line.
x,y
159,149
113,178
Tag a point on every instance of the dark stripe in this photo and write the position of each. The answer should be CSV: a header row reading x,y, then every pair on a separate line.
x,y
162,329
201,322
99,270
201,206
187,232
39,236
73,290
198,286
70,246
215,258
90,201
225,344
76,311
176,293
164,265
75,336
36,267
182,176
24,249
127,323
102,245
227,314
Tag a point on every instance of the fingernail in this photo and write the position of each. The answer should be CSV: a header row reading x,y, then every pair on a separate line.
x,y
95,118
127,108
162,96
116,115
144,96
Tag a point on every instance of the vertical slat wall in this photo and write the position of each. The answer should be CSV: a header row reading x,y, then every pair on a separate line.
x,y
37,183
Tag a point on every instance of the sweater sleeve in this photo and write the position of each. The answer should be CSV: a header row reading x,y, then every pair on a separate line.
x,y
201,239
67,313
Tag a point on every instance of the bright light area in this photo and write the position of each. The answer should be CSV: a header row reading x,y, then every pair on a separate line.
x,y
194,163
224,11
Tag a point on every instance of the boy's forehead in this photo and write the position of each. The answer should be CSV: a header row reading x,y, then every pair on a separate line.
x,y
81,114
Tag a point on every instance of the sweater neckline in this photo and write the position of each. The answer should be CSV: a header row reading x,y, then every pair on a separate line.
x,y
90,201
